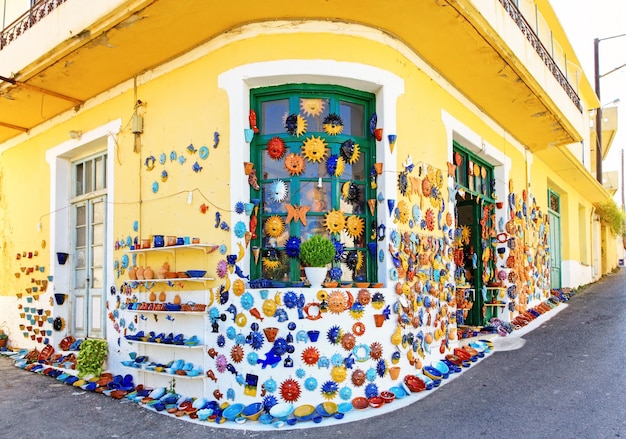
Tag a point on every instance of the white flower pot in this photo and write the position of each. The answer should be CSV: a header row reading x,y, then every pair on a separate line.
x,y
316,275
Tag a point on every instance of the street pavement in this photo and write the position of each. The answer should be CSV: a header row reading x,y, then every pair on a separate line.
x,y
564,379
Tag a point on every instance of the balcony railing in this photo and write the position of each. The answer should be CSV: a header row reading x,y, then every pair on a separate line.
x,y
543,53
27,20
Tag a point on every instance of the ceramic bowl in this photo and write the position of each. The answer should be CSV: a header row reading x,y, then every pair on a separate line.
x,y
304,412
232,411
344,407
387,396
327,408
252,411
360,402
376,402
196,273
281,410
398,391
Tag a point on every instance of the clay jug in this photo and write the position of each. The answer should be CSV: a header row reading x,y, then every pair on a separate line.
x,y
132,273
148,273
177,299
164,269
140,273
152,297
162,296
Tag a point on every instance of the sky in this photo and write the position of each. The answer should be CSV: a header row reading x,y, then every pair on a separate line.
x,y
583,21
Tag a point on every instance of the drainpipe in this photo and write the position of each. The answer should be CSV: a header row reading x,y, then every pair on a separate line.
x,y
591,228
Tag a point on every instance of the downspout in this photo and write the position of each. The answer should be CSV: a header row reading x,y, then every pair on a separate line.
x,y
591,228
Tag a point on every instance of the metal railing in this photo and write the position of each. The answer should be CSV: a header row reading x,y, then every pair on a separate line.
x,y
543,53
27,20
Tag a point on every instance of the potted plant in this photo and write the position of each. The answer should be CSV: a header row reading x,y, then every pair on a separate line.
x,y
315,254
91,357
3,339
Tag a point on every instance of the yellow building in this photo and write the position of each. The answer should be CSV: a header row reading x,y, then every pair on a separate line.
x,y
443,146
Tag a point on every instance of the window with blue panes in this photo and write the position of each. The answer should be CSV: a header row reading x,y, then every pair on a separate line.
x,y
313,154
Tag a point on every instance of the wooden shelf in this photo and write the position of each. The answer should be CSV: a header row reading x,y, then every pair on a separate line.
x,y
206,248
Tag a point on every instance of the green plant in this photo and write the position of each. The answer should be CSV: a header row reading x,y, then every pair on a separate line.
x,y
3,336
317,251
612,215
93,352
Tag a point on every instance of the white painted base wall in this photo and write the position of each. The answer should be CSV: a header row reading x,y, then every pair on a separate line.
x,y
575,274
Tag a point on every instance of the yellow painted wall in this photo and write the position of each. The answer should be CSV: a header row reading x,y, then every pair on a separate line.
x,y
185,106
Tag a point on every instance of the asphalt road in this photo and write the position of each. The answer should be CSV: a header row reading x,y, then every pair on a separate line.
x,y
564,379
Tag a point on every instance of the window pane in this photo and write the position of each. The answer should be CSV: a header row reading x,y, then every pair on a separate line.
x,y
97,255
79,260
80,178
98,212
272,168
314,110
89,176
318,199
80,215
79,281
98,234
269,193
353,117
97,277
100,173
273,114
276,267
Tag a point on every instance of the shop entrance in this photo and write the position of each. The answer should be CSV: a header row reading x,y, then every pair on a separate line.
x,y
470,256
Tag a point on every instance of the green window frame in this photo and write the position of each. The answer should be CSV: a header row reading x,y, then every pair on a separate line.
x,y
314,188
479,183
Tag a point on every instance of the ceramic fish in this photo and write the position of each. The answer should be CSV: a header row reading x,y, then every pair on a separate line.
x,y
271,359
255,312
196,167
239,273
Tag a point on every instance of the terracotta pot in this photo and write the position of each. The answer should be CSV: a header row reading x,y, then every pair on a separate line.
x,y
394,372
139,273
132,273
148,273
152,296
379,168
379,319
378,133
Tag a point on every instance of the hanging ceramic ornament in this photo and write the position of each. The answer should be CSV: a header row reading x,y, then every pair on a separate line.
x,y
333,124
294,163
277,191
355,226
392,141
252,121
350,151
373,123
296,213
334,221
295,125
276,148
391,204
312,107
256,251
252,180
314,149
372,205
274,226
292,247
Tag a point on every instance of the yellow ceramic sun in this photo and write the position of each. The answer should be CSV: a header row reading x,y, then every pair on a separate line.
x,y
238,287
359,260
333,124
312,107
334,221
355,154
269,307
314,149
300,126
403,210
322,295
341,166
274,226
339,374
270,264
354,226
466,233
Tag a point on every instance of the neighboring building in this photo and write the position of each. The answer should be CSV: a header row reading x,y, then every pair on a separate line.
x,y
444,145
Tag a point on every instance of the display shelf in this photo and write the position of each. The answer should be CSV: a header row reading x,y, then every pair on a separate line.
x,y
147,311
169,345
170,375
206,248
172,280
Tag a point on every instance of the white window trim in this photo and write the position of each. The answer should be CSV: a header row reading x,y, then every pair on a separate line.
x,y
238,82
60,160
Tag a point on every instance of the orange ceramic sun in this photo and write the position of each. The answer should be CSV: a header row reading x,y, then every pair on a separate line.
x,y
236,353
337,302
364,297
358,378
290,390
376,350
294,163
310,356
348,341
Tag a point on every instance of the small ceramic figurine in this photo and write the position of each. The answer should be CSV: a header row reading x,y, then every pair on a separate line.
x,y
252,180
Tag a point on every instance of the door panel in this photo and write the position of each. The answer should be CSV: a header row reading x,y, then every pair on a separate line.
x,y
555,250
